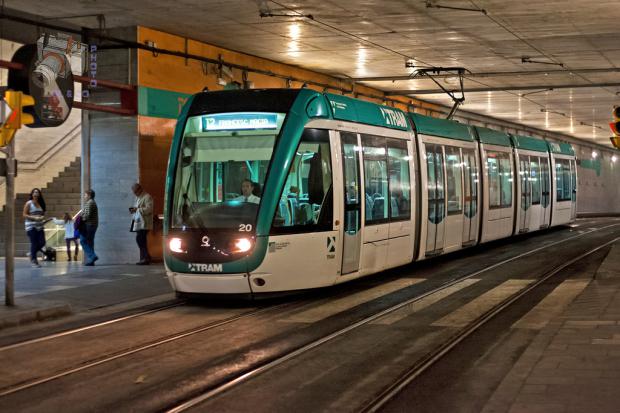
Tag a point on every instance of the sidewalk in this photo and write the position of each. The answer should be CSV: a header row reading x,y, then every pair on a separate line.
x,y
62,288
573,365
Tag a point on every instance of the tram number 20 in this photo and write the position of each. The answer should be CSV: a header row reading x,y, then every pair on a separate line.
x,y
245,227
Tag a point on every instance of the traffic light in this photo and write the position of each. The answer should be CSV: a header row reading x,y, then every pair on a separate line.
x,y
16,118
615,127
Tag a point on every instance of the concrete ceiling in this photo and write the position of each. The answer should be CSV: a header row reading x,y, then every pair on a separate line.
x,y
574,44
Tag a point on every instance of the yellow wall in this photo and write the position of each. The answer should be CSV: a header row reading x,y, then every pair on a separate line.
x,y
189,76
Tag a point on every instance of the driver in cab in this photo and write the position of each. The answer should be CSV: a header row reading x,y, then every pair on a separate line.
x,y
246,190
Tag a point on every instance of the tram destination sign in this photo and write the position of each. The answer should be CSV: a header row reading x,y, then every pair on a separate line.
x,y
239,121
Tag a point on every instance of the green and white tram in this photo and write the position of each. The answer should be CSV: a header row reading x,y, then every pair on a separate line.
x,y
279,190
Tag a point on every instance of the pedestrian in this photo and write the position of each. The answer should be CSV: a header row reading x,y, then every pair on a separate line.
x,y
89,222
71,235
142,221
34,219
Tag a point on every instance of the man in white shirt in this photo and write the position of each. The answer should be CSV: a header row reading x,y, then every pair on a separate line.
x,y
246,190
142,214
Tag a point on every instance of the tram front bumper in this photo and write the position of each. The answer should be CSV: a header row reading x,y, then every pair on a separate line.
x,y
209,283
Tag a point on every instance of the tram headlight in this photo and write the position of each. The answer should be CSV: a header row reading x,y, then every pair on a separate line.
x,y
243,245
176,245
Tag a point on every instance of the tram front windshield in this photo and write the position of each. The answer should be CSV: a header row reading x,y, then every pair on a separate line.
x,y
221,169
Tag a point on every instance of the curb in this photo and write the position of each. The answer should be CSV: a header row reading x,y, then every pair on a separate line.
x,y
12,317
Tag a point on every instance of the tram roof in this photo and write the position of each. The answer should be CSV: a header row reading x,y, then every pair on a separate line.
x,y
493,137
561,148
441,127
243,100
529,143
361,111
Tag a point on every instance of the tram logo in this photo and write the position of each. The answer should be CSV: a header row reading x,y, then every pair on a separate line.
x,y
331,244
193,267
394,118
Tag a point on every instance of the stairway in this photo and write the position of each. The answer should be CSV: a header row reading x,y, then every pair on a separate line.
x,y
61,195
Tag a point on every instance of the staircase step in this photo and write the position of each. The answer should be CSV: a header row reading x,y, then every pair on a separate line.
x,y
62,194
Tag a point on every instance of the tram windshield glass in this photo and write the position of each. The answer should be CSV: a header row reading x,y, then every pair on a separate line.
x,y
221,169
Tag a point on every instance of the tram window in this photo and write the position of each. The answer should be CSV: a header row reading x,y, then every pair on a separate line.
x,y
505,168
535,180
400,187
563,179
544,180
567,180
453,175
210,173
499,171
573,180
306,203
375,179
493,173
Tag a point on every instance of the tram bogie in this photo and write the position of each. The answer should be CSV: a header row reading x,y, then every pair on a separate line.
x,y
282,190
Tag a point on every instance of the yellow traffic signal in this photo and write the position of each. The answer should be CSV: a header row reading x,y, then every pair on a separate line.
x,y
17,101
615,127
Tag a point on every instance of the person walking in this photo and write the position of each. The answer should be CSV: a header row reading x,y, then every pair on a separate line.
x,y
142,221
34,219
89,224
70,235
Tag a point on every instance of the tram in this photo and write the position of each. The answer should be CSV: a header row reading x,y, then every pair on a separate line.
x,y
277,190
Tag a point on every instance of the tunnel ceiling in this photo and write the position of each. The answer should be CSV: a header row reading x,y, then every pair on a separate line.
x,y
513,52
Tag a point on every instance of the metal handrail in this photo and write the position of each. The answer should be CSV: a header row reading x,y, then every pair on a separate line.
x,y
59,145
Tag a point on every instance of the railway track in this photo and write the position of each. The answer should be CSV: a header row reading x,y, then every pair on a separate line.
x,y
243,375
422,365
125,352
419,367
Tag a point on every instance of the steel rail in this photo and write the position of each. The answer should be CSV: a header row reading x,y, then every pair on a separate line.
x,y
155,343
88,327
389,393
222,388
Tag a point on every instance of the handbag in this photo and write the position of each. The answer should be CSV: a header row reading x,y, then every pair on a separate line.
x,y
79,225
136,219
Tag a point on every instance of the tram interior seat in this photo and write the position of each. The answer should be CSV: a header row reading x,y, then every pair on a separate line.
x,y
284,212
394,205
378,208
292,206
304,213
369,206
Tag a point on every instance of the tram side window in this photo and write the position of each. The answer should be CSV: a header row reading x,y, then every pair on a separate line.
x,y
494,180
453,175
500,179
400,187
563,179
505,168
375,179
535,180
306,203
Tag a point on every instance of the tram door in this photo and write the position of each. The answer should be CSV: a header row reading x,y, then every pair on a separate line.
x,y
526,193
436,199
352,203
545,187
470,194
573,178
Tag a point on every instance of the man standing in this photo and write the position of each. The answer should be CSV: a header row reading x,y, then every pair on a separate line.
x,y
90,220
142,221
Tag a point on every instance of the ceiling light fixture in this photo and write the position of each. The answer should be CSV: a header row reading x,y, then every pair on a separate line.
x,y
527,59
431,5
536,91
